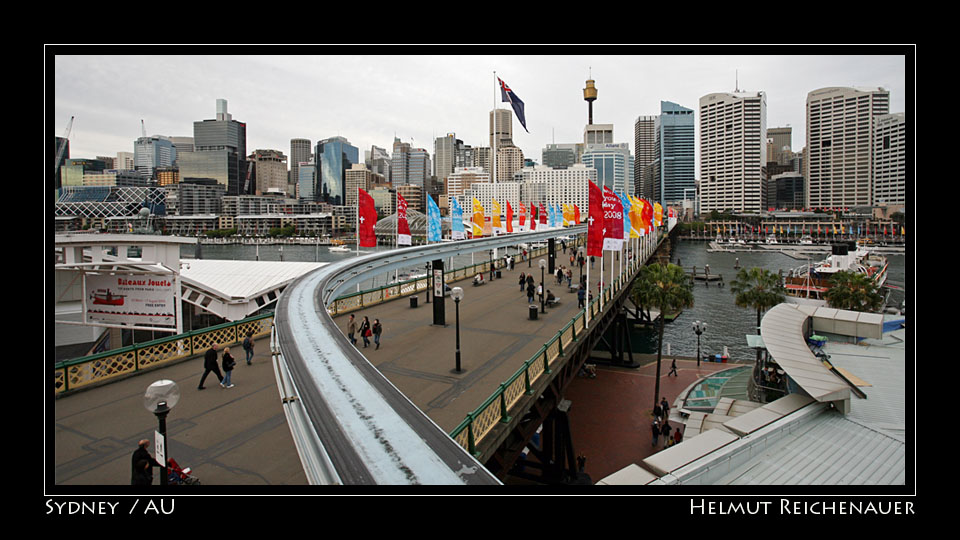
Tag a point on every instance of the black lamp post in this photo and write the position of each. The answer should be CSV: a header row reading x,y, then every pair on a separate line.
x,y
160,398
698,328
543,289
457,294
429,281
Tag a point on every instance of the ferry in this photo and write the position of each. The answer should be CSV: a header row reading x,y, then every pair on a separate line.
x,y
809,284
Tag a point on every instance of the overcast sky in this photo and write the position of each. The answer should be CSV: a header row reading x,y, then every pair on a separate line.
x,y
371,98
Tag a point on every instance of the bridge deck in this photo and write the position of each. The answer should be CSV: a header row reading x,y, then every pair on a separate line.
x,y
496,337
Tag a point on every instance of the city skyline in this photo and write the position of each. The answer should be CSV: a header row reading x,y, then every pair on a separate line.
x,y
370,99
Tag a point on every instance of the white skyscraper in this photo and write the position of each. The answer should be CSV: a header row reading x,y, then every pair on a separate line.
x,y
889,159
733,145
839,161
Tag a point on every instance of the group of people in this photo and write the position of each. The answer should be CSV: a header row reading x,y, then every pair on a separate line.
x,y
366,331
228,362
565,273
661,425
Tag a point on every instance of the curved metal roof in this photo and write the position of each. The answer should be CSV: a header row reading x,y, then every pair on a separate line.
x,y
416,220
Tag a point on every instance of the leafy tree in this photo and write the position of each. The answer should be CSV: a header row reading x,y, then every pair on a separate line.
x,y
667,288
757,288
854,291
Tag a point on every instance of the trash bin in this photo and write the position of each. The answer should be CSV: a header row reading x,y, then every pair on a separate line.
x,y
498,274
413,301
533,312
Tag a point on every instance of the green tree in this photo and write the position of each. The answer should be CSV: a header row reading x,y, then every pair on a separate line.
x,y
854,291
759,289
667,288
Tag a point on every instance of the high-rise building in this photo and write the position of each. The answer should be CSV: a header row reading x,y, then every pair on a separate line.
x,y
409,165
378,161
889,159
558,186
674,149
358,177
503,128
300,152
509,161
779,145
307,182
559,156
220,152
460,180
270,171
598,134
335,156
444,155
839,160
733,145
125,161
613,163
152,152
644,146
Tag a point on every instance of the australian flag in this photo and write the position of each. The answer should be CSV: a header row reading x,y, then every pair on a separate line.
x,y
508,96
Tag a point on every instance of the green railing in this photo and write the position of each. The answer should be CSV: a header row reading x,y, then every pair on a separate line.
x,y
89,370
495,410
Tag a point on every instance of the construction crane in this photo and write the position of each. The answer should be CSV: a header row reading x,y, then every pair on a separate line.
x,y
62,147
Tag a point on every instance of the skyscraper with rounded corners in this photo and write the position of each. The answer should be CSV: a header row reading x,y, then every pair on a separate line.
x,y
733,147
334,156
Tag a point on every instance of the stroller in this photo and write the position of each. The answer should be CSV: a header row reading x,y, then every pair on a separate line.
x,y
177,475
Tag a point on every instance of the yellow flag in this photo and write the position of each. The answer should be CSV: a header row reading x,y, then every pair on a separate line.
x,y
496,216
477,218
636,219
567,215
657,214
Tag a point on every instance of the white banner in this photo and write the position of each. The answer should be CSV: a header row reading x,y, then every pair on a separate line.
x,y
138,300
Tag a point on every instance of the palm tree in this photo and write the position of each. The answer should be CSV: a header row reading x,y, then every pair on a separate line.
x,y
759,289
854,291
667,288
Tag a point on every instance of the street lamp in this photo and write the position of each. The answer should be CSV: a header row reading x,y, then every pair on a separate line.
x,y
698,328
543,289
160,398
457,294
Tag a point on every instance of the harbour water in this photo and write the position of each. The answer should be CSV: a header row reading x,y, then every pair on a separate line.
x,y
727,324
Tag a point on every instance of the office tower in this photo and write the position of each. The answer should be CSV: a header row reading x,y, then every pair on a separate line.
x,y
559,156
444,154
334,157
409,165
644,146
558,186
460,180
503,128
613,163
182,144
307,181
358,177
270,171
733,144
889,159
839,161
509,161
152,152
220,152
61,148
780,143
378,161
125,161
300,152
674,147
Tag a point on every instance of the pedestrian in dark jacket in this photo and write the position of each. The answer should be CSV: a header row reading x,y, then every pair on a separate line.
x,y
581,296
365,332
210,365
377,330
530,292
142,464
655,428
248,346
228,365
665,431
523,281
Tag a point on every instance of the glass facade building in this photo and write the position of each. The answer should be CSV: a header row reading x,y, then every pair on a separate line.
x,y
614,165
334,157
675,148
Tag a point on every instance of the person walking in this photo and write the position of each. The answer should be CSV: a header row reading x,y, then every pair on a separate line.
x,y
142,463
210,365
665,407
581,296
655,428
365,331
248,346
228,364
523,281
673,368
352,329
377,330
530,292
665,431
657,412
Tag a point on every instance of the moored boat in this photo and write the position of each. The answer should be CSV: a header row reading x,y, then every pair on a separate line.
x,y
809,284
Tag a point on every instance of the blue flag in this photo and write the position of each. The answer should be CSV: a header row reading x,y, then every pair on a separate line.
x,y
433,220
456,217
626,214
508,96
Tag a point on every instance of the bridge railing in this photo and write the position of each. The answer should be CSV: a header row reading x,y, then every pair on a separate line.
x,y
97,368
496,408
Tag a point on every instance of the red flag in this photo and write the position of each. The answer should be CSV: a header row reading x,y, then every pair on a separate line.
x,y
533,217
576,214
509,217
367,219
543,214
595,221
647,216
612,220
523,213
403,226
